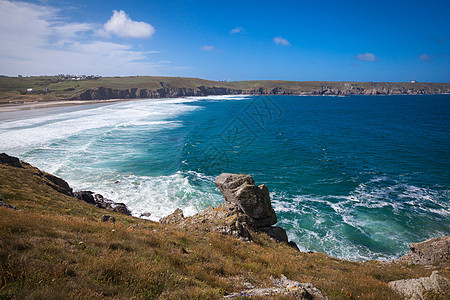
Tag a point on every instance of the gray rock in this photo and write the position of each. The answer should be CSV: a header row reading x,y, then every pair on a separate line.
x,y
174,218
111,205
285,287
415,288
102,202
252,200
106,218
247,209
428,252
145,214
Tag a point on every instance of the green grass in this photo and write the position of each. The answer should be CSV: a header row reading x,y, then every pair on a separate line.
x,y
54,247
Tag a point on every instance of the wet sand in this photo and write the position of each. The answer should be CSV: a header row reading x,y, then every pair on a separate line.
x,y
16,111
14,106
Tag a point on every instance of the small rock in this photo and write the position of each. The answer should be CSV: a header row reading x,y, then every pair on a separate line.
x,y
3,204
174,218
107,218
294,245
415,288
146,214
275,232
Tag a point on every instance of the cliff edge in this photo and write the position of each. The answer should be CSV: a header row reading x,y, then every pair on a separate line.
x,y
55,246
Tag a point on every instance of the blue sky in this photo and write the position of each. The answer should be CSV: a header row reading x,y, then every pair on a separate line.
x,y
232,40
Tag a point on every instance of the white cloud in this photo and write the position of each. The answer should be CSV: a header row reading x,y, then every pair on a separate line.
x,y
208,48
35,41
71,30
366,57
425,57
281,41
121,25
237,30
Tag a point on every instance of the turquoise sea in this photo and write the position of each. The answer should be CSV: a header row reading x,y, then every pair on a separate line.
x,y
355,177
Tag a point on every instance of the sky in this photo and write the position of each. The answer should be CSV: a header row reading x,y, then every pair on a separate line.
x,y
233,40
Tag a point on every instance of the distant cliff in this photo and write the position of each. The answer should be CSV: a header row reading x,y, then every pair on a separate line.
x,y
51,88
337,89
166,91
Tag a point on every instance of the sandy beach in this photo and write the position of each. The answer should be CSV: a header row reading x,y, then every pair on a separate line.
x,y
20,106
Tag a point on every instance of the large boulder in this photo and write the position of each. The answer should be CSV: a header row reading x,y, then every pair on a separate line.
x,y
415,288
246,209
283,287
253,200
428,252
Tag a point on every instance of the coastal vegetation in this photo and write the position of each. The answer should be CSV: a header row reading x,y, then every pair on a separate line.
x,y
55,246
51,88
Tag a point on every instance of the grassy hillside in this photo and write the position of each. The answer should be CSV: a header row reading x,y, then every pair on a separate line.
x,y
14,88
54,246
47,88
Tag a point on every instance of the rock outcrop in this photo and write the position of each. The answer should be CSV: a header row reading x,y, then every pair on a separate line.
x,y
63,187
415,289
59,184
53,181
282,287
102,202
428,252
174,218
246,208
167,90
10,160
253,200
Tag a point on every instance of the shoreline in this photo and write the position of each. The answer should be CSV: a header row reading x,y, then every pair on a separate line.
x,y
22,106
15,106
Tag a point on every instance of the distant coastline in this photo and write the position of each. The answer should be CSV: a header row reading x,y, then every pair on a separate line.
x,y
16,90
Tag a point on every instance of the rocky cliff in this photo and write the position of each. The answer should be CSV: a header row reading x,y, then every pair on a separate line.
x,y
166,91
247,210
334,89
57,246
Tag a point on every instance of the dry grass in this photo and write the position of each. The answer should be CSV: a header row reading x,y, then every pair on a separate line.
x,y
55,247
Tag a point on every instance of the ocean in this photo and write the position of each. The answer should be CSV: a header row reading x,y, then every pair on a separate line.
x,y
355,177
